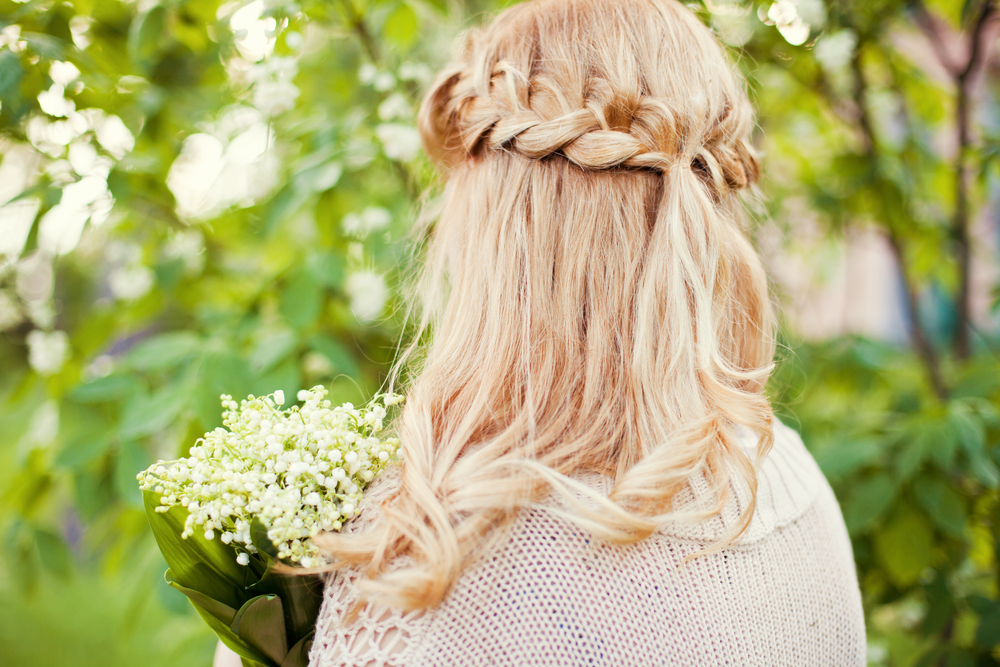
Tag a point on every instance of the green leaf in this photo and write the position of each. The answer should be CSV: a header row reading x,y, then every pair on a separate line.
x,y
439,5
959,657
981,380
272,349
871,354
988,412
261,542
132,459
988,632
943,450
327,268
970,431
318,176
110,388
302,300
868,501
54,554
838,460
942,503
52,48
985,471
283,206
148,414
905,546
164,351
261,624
221,372
940,606
91,493
302,595
285,377
401,26
82,450
207,566
981,605
10,73
970,8
250,656
915,450
931,658
146,34
223,612
298,655
336,353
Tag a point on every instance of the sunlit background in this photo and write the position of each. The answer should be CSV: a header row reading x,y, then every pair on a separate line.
x,y
205,197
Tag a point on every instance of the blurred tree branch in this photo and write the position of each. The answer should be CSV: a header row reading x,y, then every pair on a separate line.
x,y
896,240
962,75
853,112
356,22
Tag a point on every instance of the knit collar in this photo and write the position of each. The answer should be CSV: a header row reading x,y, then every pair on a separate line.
x,y
787,484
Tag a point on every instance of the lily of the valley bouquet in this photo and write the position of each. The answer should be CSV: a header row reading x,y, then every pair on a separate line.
x,y
255,494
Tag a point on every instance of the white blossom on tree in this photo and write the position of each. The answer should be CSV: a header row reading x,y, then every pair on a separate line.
x,y
47,351
372,219
368,293
399,142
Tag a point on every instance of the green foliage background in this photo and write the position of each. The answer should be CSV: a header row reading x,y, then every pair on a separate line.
x,y
261,292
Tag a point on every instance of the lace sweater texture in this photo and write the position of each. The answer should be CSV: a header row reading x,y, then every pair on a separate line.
x,y
785,594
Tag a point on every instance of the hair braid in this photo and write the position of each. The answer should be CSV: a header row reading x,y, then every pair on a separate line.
x,y
598,136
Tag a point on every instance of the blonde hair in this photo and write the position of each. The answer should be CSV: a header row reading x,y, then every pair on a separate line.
x,y
589,299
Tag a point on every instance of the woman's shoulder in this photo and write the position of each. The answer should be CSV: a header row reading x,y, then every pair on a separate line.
x,y
788,483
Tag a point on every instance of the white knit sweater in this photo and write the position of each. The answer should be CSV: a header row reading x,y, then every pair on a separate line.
x,y
785,594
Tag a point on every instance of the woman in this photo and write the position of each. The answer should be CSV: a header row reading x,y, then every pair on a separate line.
x,y
592,474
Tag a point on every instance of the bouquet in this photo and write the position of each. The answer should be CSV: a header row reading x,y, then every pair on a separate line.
x,y
254,494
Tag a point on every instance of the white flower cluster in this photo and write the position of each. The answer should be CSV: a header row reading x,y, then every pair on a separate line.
x,y
274,91
360,225
233,162
835,50
368,293
795,19
397,134
299,471
47,350
130,279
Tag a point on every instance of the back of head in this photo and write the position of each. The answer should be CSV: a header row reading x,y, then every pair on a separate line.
x,y
589,298
635,83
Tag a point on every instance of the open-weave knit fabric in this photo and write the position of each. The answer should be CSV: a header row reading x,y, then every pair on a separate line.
x,y
785,594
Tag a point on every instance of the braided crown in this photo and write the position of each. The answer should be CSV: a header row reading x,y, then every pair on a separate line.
x,y
609,131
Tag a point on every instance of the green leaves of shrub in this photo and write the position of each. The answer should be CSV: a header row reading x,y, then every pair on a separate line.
x,y
844,458
905,546
866,503
164,351
942,503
